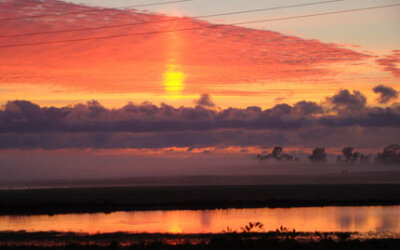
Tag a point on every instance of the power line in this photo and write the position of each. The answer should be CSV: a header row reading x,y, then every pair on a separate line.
x,y
94,10
168,20
198,28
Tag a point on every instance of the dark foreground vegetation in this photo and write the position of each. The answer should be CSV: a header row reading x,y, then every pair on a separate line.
x,y
232,241
109,199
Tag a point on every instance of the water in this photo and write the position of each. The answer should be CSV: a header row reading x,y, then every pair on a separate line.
x,y
355,219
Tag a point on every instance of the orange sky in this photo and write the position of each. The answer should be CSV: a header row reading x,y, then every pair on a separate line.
x,y
226,62
249,68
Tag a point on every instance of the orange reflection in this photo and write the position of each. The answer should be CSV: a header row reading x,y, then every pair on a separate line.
x,y
175,229
360,219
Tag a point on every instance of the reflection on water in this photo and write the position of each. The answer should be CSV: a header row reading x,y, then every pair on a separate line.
x,y
360,219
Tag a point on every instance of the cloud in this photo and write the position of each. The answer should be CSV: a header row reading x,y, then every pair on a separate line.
x,y
307,108
346,100
26,125
389,62
26,117
386,93
304,137
205,101
375,117
92,117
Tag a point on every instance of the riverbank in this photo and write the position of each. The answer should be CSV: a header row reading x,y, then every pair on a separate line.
x,y
231,241
110,199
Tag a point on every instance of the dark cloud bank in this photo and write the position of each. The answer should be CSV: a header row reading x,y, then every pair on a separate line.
x,y
343,119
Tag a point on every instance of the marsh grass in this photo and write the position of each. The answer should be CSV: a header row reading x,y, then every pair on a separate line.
x,y
282,238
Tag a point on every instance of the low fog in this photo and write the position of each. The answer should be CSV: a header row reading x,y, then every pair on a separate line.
x,y
35,168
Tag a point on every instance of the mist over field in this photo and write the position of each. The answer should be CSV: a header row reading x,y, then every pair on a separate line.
x,y
138,170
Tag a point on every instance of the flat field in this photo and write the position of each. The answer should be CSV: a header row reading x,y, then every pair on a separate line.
x,y
108,199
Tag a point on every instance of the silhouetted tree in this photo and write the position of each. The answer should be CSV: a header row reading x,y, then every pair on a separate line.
x,y
277,154
350,157
347,153
389,156
318,155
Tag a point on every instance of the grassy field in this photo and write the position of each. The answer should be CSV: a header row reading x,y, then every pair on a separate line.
x,y
231,241
107,199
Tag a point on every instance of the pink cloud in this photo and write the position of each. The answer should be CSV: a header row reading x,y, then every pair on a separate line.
x,y
389,62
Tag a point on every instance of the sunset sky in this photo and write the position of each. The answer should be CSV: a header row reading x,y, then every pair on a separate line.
x,y
162,80
271,62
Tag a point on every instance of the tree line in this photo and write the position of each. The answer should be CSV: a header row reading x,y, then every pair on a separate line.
x,y
390,155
